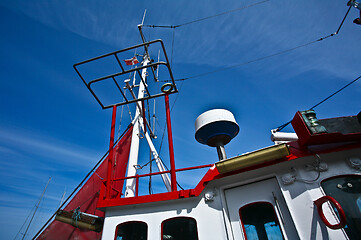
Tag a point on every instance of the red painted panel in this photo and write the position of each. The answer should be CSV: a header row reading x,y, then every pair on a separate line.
x,y
87,197
305,137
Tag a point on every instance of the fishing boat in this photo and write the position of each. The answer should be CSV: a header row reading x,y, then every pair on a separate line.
x,y
305,186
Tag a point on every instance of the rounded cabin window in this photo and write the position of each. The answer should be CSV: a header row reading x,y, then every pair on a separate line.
x,y
259,221
180,228
131,231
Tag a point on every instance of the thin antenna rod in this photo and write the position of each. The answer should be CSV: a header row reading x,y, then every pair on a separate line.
x,y
157,74
62,198
145,11
36,207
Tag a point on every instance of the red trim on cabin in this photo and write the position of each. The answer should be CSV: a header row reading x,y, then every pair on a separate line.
x,y
305,137
213,174
307,145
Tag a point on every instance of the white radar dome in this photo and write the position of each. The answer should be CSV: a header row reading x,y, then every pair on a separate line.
x,y
216,127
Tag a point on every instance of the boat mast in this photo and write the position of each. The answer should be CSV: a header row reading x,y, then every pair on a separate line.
x,y
138,124
134,147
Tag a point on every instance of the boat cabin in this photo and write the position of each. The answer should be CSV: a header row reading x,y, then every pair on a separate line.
x,y
305,189
306,186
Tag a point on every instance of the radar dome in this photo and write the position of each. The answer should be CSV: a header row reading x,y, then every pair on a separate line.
x,y
216,127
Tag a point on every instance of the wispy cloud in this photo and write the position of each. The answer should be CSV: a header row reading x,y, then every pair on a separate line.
x,y
46,146
260,29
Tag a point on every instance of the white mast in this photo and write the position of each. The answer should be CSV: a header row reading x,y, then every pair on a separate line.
x,y
138,125
134,147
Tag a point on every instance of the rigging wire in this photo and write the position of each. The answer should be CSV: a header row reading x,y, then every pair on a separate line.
x,y
171,56
322,101
343,19
261,58
205,18
24,222
254,60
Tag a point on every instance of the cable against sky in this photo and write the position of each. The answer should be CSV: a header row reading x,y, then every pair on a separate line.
x,y
322,101
205,18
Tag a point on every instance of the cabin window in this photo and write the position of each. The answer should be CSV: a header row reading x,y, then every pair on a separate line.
x,y
347,191
180,228
131,231
259,221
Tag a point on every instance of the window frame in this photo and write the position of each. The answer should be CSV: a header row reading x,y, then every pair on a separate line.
x,y
128,222
180,217
260,202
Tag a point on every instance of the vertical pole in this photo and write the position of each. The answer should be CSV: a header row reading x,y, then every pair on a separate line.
x,y
110,156
134,146
144,119
221,152
137,185
170,143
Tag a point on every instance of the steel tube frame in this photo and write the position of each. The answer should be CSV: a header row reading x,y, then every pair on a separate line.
x,y
112,76
170,143
159,173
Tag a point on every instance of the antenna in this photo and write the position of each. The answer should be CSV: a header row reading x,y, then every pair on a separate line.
x,y
36,208
157,75
145,12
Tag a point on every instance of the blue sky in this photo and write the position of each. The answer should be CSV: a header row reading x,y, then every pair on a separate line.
x,y
51,126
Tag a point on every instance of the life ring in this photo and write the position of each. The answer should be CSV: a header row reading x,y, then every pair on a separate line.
x,y
167,88
340,211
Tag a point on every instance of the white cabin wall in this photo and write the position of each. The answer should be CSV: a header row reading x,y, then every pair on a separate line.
x,y
208,216
300,196
212,217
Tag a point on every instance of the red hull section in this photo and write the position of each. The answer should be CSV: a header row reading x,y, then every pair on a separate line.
x,y
88,195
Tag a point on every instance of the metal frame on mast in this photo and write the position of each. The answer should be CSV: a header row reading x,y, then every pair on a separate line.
x,y
123,72
146,90
134,149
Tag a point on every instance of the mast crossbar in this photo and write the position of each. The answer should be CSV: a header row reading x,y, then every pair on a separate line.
x,y
93,83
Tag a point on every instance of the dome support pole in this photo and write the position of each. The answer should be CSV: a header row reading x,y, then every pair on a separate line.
x,y
221,153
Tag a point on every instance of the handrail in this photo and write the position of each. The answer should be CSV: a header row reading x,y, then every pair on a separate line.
x,y
152,174
159,173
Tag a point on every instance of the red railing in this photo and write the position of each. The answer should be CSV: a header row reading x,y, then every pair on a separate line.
x,y
137,177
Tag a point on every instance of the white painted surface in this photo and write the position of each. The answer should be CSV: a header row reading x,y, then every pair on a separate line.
x,y
208,216
261,191
134,145
215,219
214,115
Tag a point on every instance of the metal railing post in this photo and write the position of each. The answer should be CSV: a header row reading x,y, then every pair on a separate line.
x,y
170,143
